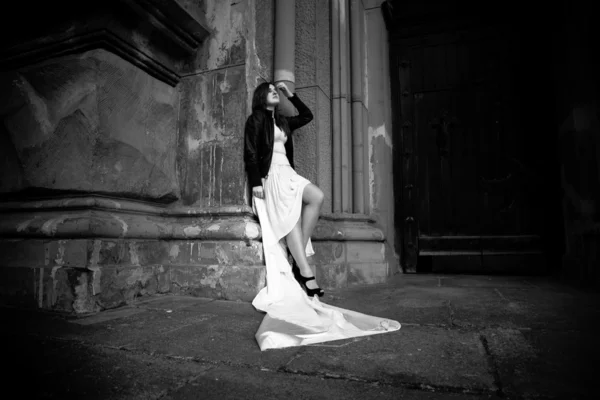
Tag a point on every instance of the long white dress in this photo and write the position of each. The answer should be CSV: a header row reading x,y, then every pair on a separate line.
x,y
294,319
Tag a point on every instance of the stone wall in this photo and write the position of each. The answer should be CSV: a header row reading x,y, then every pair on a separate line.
x,y
216,99
121,145
122,154
378,101
92,123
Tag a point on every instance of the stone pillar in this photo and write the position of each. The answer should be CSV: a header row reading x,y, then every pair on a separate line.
x,y
358,107
350,247
336,101
341,108
378,146
285,49
312,71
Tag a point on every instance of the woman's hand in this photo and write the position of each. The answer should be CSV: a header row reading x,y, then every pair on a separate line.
x,y
258,192
284,89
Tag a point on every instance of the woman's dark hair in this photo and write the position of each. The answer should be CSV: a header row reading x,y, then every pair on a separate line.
x,y
259,104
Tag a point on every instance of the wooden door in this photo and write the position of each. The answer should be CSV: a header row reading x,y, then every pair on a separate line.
x,y
461,165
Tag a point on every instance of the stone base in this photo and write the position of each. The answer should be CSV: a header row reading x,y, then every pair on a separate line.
x,y
342,264
351,250
89,275
83,255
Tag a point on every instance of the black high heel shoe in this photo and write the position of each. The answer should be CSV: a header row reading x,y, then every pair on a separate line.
x,y
302,280
310,292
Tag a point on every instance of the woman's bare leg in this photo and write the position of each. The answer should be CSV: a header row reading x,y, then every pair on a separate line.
x,y
295,242
313,198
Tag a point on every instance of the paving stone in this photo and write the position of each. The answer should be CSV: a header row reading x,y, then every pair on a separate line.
x,y
412,355
216,331
235,383
413,305
481,307
486,281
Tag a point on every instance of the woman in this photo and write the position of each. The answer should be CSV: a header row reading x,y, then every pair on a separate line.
x,y
292,202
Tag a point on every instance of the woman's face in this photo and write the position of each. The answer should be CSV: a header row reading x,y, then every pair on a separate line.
x,y
272,96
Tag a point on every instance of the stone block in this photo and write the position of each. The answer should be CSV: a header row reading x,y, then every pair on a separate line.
x,y
363,252
360,274
182,252
52,288
112,294
226,252
239,253
72,290
332,276
242,282
63,295
207,254
218,281
152,252
68,253
108,252
120,286
163,276
329,253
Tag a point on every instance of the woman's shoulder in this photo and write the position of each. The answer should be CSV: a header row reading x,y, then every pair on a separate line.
x,y
254,120
255,116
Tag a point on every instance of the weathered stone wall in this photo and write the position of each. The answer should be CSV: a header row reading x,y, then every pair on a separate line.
x,y
102,121
88,254
90,122
378,101
95,122
216,97
85,275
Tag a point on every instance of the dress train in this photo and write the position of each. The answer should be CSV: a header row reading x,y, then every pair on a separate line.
x,y
292,318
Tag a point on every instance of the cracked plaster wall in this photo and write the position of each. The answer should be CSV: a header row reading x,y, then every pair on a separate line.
x,y
216,98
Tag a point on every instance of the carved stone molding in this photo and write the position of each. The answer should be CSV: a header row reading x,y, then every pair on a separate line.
x,y
90,217
158,36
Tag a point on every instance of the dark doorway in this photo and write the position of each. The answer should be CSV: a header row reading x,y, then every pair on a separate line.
x,y
473,139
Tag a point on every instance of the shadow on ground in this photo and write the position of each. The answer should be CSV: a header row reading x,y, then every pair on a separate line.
x,y
461,337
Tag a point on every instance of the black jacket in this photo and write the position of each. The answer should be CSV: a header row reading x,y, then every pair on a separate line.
x,y
259,137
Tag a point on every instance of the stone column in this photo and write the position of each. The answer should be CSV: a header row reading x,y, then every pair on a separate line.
x,y
357,99
341,108
285,49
